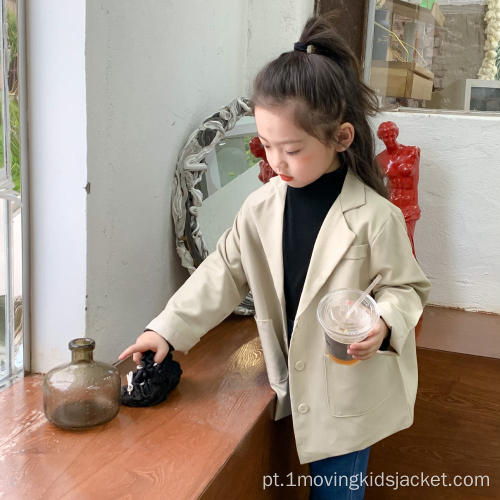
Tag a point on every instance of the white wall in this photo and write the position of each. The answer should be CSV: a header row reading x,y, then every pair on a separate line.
x,y
457,240
151,78
57,149
273,28
155,70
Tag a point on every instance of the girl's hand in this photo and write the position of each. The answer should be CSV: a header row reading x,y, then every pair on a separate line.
x,y
369,346
148,341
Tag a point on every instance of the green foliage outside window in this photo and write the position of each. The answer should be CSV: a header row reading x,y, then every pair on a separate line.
x,y
15,153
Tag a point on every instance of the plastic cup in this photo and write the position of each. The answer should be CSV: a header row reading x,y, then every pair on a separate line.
x,y
339,331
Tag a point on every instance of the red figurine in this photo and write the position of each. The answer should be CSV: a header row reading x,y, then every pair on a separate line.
x,y
401,166
257,149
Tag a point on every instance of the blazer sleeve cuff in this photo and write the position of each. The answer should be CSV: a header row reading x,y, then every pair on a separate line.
x,y
176,334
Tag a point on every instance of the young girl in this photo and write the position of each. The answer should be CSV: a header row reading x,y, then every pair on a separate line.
x,y
322,224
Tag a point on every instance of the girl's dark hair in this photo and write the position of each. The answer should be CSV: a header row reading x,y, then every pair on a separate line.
x,y
327,88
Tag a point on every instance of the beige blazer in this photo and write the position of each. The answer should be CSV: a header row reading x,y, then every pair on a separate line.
x,y
335,408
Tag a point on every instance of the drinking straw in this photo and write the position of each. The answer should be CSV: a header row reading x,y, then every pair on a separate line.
x,y
363,296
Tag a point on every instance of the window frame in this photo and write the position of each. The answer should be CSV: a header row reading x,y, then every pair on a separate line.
x,y
11,198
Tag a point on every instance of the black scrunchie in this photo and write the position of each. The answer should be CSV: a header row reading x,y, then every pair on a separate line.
x,y
152,383
300,46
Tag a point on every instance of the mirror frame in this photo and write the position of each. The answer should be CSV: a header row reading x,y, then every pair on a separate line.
x,y
187,198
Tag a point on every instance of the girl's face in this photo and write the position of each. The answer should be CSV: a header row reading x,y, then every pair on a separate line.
x,y
297,157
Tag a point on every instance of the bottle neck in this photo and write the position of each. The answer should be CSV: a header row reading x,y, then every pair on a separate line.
x,y
82,355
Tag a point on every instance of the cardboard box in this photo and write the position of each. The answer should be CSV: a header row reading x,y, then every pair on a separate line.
x,y
401,79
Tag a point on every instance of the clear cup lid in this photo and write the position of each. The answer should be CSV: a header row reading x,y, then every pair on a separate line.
x,y
332,315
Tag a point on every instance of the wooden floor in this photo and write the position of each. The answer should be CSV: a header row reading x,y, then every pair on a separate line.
x,y
456,430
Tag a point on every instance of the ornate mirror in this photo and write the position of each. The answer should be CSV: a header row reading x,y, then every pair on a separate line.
x,y
215,172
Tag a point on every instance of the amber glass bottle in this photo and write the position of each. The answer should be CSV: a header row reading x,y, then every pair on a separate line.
x,y
83,393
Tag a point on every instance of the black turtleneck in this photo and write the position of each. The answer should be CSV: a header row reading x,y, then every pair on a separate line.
x,y
305,210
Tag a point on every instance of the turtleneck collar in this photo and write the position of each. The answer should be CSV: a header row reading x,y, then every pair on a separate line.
x,y
327,183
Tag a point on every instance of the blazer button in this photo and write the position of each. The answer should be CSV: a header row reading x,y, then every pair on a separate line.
x,y
303,408
299,366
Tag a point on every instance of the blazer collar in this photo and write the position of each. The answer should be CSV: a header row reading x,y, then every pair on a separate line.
x,y
327,251
333,240
353,194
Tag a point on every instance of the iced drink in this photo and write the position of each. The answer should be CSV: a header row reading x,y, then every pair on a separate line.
x,y
340,330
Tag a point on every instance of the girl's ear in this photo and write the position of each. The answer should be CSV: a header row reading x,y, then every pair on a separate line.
x,y
344,137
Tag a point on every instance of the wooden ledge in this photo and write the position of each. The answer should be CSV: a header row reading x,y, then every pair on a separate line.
x,y
218,419
455,330
214,437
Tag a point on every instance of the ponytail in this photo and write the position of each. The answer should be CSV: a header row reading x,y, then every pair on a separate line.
x,y
322,76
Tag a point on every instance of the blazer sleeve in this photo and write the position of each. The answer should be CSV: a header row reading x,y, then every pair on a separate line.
x,y
208,296
404,288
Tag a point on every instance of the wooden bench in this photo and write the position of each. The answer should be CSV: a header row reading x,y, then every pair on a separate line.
x,y
213,438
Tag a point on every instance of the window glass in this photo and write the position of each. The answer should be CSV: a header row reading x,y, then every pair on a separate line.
x,y
3,170
11,276
17,288
431,54
13,86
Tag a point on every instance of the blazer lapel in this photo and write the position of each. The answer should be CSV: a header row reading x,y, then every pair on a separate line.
x,y
270,227
333,240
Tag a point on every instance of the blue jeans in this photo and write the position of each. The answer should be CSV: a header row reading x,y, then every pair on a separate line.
x,y
343,473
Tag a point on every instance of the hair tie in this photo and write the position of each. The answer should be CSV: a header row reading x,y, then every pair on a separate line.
x,y
315,48
309,48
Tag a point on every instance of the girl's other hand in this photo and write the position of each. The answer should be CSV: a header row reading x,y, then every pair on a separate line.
x,y
369,346
147,341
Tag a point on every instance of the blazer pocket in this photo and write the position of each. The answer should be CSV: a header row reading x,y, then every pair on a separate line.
x,y
357,252
356,389
277,371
